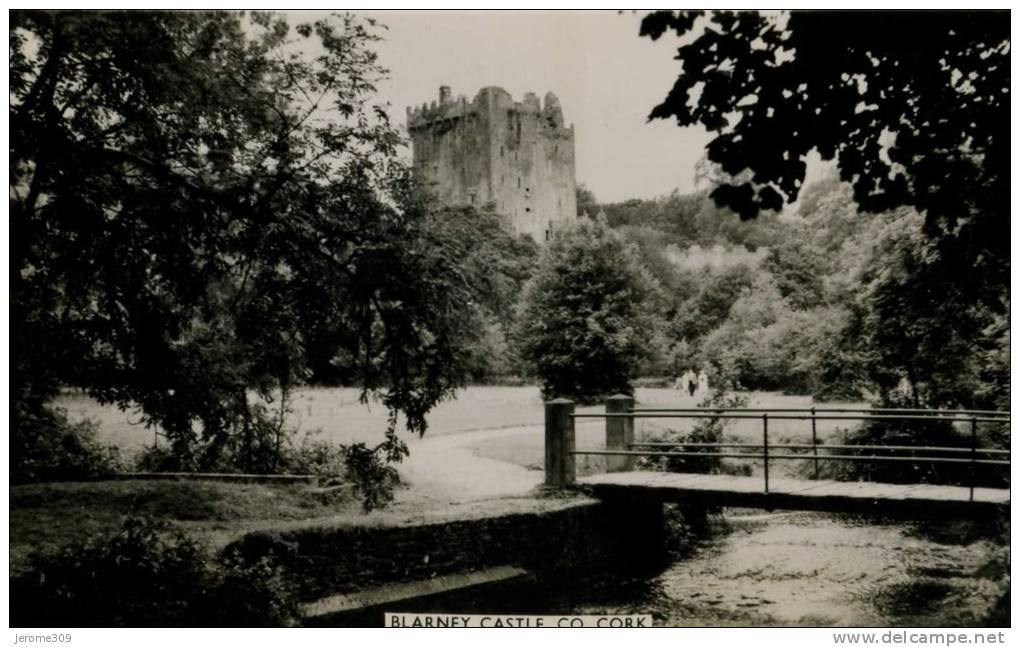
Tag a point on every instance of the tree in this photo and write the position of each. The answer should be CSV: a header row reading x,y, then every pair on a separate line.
x,y
921,122
587,318
919,329
710,307
195,196
798,269
496,265
587,203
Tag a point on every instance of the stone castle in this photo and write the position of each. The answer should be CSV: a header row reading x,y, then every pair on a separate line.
x,y
516,159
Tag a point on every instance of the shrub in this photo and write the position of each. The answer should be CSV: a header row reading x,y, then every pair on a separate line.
x,y
705,430
373,477
366,469
319,457
148,575
156,458
49,447
936,433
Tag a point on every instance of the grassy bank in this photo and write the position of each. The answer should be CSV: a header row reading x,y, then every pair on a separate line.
x,y
46,516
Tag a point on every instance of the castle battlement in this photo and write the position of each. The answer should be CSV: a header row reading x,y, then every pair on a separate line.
x,y
488,98
514,157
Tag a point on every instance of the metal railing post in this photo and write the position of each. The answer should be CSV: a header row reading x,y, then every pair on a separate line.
x,y
765,435
559,443
814,440
973,454
619,433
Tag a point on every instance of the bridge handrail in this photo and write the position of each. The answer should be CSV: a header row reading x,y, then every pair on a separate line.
x,y
620,414
874,410
771,455
743,416
932,448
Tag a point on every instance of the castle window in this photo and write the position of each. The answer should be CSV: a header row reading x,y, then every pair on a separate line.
x,y
527,209
518,130
518,182
547,234
502,151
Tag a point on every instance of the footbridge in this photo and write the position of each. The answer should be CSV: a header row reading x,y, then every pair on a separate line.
x,y
969,462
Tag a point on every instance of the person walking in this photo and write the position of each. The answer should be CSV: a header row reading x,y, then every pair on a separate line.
x,y
703,382
692,382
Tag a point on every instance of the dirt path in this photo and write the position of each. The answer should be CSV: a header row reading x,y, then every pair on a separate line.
x,y
444,469
472,466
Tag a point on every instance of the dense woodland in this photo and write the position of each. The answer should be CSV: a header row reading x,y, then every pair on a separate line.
x,y
823,300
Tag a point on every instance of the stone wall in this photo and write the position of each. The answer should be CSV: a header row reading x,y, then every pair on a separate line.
x,y
575,539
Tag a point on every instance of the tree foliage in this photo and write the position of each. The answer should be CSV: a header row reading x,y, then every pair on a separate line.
x,y
710,306
921,122
918,327
587,203
691,218
495,264
798,270
587,318
195,197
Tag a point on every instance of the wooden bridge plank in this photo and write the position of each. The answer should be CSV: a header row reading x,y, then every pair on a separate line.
x,y
796,494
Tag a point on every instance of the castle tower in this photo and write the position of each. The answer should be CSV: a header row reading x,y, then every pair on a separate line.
x,y
516,159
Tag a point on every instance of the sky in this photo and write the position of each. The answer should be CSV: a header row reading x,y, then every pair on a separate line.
x,y
607,79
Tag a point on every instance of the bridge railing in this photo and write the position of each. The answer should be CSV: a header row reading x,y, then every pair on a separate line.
x,y
621,449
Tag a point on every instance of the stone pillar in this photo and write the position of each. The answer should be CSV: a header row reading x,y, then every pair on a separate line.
x,y
559,443
619,433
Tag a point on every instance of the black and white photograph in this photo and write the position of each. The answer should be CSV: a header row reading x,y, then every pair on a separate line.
x,y
430,319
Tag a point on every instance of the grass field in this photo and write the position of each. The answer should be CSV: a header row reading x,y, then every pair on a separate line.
x,y
340,417
336,414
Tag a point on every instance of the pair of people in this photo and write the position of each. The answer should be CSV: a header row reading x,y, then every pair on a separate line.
x,y
692,382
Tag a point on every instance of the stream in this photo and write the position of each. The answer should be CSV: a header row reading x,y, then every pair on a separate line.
x,y
754,569
811,569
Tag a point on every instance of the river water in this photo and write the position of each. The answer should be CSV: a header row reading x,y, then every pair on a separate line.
x,y
811,569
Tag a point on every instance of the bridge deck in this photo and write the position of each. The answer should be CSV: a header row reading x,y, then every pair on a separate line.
x,y
796,494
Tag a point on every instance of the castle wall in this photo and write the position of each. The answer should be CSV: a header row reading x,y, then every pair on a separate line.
x,y
516,159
